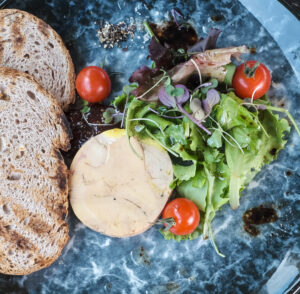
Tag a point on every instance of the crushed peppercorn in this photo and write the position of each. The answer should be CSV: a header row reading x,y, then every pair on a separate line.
x,y
111,35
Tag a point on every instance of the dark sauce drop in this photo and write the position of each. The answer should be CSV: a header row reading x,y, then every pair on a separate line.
x,y
258,216
252,50
288,173
171,36
81,130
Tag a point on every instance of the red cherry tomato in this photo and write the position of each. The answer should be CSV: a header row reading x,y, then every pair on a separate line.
x,y
93,84
185,214
257,85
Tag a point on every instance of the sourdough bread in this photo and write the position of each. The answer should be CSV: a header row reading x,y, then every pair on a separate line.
x,y
33,176
30,45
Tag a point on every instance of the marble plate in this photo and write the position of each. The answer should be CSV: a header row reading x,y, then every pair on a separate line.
x,y
269,263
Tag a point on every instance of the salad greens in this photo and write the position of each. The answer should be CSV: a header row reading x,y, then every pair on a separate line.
x,y
217,142
209,169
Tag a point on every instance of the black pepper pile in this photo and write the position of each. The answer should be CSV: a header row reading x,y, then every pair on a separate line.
x,y
111,35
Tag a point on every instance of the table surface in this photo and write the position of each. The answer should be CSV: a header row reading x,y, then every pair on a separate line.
x,y
269,263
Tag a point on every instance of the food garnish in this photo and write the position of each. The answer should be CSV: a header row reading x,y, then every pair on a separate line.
x,y
252,80
93,84
218,141
184,214
111,35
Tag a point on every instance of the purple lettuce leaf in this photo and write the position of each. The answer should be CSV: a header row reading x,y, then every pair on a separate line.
x,y
176,14
144,77
212,98
207,43
160,54
165,98
184,97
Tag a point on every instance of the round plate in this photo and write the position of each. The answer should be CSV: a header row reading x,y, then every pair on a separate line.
x,y
93,263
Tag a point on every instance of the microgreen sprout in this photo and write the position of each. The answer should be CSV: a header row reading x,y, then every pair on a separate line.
x,y
149,30
126,89
96,124
203,85
176,96
176,14
227,134
112,115
252,97
198,70
165,116
150,120
85,107
223,136
212,240
161,144
257,107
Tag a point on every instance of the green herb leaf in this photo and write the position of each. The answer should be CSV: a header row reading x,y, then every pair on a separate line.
x,y
215,140
230,70
214,84
176,134
183,172
128,88
261,149
139,128
169,89
108,115
230,113
164,123
168,82
85,109
177,92
198,194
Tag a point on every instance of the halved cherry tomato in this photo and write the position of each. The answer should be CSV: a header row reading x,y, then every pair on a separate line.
x,y
185,214
256,85
93,84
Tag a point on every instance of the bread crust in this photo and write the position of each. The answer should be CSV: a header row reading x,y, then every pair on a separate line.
x,y
58,207
43,28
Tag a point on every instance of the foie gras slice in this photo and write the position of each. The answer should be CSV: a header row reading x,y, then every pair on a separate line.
x,y
115,192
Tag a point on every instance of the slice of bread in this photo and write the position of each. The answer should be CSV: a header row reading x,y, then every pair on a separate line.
x,y
30,45
33,176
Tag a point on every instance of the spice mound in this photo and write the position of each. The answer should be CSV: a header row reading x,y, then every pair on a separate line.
x,y
111,35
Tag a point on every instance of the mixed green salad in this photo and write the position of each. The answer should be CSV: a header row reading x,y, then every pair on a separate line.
x,y
217,141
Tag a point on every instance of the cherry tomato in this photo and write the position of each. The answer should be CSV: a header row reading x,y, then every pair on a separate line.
x,y
185,214
257,85
93,84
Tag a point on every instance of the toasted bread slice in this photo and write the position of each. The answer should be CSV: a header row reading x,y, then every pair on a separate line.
x,y
33,176
30,45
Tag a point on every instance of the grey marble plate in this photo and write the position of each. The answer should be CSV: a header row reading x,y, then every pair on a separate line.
x,y
269,263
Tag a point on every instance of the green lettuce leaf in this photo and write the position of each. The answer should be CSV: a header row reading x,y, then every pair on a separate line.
x,y
176,134
169,236
215,140
195,189
184,172
261,149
